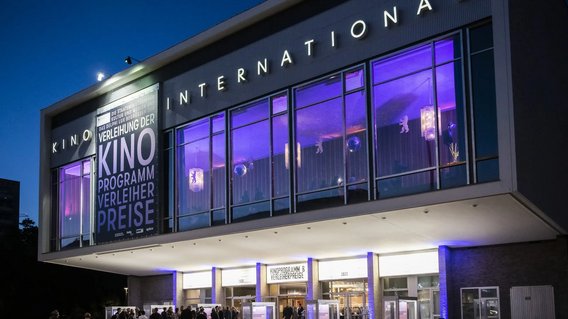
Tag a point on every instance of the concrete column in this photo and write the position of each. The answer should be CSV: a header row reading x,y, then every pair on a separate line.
x,y
374,284
261,285
312,286
177,288
313,289
444,256
217,293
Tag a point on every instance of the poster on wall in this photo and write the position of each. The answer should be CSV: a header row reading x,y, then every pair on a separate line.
x,y
127,167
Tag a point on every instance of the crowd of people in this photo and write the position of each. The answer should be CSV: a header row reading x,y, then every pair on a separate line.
x,y
177,313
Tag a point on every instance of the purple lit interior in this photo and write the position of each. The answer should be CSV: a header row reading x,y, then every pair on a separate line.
x,y
249,114
402,63
397,102
331,131
204,154
279,103
354,80
74,187
319,91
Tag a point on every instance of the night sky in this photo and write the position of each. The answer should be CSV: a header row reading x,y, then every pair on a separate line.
x,y
50,50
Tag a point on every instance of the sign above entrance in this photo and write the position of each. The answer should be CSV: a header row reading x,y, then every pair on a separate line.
x,y
343,269
238,277
195,280
409,264
286,273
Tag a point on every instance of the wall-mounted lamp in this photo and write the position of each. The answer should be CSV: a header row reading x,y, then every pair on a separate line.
x,y
129,59
100,76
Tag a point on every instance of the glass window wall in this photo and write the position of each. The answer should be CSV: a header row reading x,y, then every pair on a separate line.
x,y
74,190
201,173
419,116
260,153
331,138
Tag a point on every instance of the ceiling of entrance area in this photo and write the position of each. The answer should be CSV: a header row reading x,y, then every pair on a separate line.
x,y
483,221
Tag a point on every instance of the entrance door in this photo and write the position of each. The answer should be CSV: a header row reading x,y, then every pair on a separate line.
x,y
480,303
238,302
287,300
352,305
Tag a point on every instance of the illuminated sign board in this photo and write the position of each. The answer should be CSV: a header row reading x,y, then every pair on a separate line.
x,y
127,167
408,264
343,269
238,277
195,280
286,273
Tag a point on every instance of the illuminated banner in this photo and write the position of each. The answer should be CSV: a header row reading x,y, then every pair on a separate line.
x,y
194,280
238,277
286,273
127,167
343,269
409,264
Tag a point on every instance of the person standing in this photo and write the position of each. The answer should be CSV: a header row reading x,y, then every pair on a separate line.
x,y
155,314
288,312
300,311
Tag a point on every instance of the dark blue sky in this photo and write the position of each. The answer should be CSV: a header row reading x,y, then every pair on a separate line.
x,y
50,50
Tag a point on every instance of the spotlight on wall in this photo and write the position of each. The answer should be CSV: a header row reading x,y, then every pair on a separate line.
x,y
100,76
129,59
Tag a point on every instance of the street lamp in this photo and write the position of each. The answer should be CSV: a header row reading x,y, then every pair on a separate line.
x,y
126,295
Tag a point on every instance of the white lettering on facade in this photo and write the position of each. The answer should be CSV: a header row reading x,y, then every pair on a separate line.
x,y
241,73
286,58
221,83
333,39
393,18
74,141
184,97
202,87
424,4
309,46
262,66
87,135
358,29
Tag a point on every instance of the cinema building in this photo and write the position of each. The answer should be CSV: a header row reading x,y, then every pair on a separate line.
x,y
390,156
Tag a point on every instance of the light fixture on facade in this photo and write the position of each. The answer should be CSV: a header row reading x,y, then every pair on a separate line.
x,y
100,76
129,59
196,179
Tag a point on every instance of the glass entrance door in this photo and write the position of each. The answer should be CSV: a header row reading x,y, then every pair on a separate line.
x,y
352,305
480,303
351,295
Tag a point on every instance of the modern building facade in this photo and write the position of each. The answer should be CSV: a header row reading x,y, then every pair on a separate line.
x,y
384,154
9,209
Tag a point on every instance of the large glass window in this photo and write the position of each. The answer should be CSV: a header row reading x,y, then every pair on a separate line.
x,y
260,159
419,119
201,173
483,102
331,138
74,191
